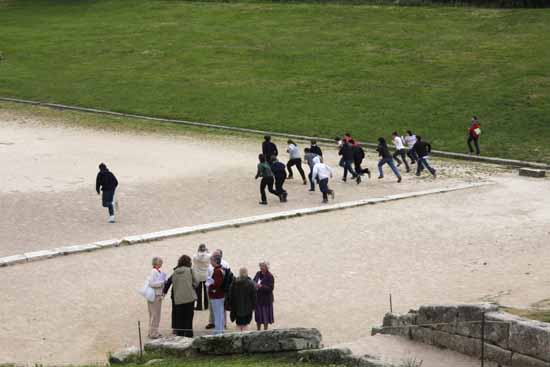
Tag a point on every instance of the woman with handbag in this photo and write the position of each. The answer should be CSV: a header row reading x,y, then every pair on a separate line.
x,y
156,280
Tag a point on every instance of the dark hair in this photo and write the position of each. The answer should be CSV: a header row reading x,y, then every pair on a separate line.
x,y
409,132
184,260
307,150
395,133
261,158
337,138
419,138
313,142
267,138
382,141
290,142
474,117
102,166
348,134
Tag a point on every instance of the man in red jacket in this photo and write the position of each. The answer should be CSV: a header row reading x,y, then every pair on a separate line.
x,y
473,135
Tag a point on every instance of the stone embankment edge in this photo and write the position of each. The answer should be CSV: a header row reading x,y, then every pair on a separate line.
x,y
208,227
440,153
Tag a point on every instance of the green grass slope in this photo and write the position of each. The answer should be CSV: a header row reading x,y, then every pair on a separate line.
x,y
302,68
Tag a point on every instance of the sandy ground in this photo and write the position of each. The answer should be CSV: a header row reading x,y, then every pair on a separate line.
x,y
48,196
333,271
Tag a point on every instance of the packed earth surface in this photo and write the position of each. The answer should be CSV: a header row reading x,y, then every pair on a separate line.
x,y
333,271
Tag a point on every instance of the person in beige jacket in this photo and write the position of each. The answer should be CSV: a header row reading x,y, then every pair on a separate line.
x,y
201,262
156,280
183,282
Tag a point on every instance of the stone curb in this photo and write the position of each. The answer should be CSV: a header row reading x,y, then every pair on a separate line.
x,y
440,153
235,223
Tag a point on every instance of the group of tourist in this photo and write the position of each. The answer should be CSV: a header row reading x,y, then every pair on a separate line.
x,y
206,282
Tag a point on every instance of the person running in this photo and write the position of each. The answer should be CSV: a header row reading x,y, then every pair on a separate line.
x,y
269,149
279,172
107,183
358,156
264,171
322,173
308,157
410,140
422,150
386,158
399,150
346,151
315,149
295,159
473,135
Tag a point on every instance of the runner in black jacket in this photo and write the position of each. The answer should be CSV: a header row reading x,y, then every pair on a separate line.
x,y
269,149
107,183
422,150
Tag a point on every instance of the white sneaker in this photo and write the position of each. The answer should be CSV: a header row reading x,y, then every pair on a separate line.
x,y
112,219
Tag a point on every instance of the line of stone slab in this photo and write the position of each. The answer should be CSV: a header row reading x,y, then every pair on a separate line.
x,y
203,228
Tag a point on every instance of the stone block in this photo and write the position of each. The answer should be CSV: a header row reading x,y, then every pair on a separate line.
x,y
174,345
437,314
422,335
499,355
219,344
531,338
67,250
325,355
12,260
123,355
40,255
532,172
281,340
520,360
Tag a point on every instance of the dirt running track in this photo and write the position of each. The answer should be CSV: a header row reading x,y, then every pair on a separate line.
x,y
333,271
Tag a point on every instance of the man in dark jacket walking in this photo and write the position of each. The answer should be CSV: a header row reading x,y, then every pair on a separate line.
x,y
422,150
279,172
269,149
346,151
107,183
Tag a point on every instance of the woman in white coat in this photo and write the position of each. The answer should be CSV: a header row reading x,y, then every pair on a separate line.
x,y
201,261
156,280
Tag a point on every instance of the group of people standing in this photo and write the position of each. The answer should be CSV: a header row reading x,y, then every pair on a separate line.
x,y
206,282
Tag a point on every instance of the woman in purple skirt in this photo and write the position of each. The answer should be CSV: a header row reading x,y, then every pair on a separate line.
x,y
265,283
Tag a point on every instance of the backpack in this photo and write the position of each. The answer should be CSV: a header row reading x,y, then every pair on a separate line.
x,y
227,279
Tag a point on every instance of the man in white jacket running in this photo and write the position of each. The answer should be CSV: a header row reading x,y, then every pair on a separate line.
x,y
322,173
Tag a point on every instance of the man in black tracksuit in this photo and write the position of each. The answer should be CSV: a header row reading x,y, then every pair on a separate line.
x,y
346,151
269,149
422,150
315,149
279,172
358,156
107,183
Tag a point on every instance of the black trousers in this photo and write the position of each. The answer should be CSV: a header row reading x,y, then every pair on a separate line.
x,y
107,198
476,143
267,182
182,319
279,182
298,163
202,296
358,169
401,153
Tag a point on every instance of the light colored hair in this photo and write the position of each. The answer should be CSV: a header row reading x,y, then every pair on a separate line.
x,y
264,262
156,261
243,273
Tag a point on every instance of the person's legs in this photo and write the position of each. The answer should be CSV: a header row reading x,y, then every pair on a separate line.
x,y
188,314
402,154
265,326
210,314
301,170
217,305
380,170
470,139
427,166
311,183
394,169
323,186
205,298
154,312
420,165
263,185
396,157
198,291
289,165
107,198
258,326
476,143
270,181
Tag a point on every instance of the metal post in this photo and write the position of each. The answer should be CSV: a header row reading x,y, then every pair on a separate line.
x,y
482,339
140,343
391,305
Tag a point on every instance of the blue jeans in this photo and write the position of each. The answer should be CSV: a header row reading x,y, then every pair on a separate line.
x,y
389,162
311,182
348,168
423,163
219,314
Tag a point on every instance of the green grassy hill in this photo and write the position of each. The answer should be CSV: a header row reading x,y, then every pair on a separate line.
x,y
302,68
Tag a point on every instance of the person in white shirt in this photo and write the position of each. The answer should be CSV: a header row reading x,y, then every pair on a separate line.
x,y
209,280
410,140
201,263
156,280
322,173
294,159
399,150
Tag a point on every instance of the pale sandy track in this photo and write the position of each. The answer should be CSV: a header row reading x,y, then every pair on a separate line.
x,y
333,271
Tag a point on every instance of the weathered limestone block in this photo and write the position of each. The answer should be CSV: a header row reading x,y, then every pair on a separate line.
x,y
532,172
365,361
397,324
437,314
499,355
496,331
123,355
175,345
278,340
422,335
325,355
498,327
520,360
281,340
531,338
